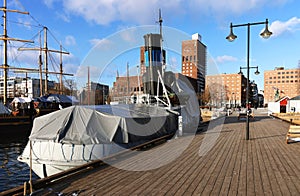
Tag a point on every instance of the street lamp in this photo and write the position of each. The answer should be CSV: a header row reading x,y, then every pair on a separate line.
x,y
231,37
256,72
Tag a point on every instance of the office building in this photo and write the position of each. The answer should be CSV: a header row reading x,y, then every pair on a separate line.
x,y
194,60
281,82
227,89
19,86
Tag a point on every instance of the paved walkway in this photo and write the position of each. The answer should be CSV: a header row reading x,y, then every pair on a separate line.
x,y
216,162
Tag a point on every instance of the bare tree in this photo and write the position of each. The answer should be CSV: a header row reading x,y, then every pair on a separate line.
x,y
70,85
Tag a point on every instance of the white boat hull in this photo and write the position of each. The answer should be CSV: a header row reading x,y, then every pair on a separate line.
x,y
49,158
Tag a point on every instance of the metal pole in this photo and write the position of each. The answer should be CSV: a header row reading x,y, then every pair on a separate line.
x,y
247,90
4,55
46,60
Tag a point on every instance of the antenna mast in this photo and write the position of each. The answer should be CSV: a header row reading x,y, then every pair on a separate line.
x,y
160,20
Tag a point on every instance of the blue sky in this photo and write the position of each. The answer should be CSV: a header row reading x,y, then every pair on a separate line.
x,y
106,34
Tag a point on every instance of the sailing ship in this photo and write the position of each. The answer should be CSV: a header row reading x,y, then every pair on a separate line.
x,y
23,109
80,134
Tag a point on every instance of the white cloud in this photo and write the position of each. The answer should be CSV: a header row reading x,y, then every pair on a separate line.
x,y
107,11
285,27
225,7
129,35
65,17
49,3
70,40
225,58
101,43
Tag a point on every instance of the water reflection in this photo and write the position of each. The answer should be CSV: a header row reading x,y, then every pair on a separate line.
x,y
12,172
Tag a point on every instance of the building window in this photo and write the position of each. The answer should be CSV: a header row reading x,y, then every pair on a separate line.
x,y
287,72
270,78
278,73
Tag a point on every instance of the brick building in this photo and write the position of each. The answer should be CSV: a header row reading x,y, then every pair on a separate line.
x,y
281,82
125,87
194,60
227,89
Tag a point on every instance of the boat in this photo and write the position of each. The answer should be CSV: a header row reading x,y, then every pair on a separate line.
x,y
23,109
77,135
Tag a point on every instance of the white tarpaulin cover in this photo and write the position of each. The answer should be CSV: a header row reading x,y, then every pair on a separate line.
x,y
83,125
3,109
22,100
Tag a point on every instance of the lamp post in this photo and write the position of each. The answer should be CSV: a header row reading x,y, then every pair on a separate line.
x,y
231,37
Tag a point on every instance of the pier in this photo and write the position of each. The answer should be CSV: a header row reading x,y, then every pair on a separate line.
x,y
214,163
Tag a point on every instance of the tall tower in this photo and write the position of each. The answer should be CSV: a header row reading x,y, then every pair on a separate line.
x,y
153,60
194,60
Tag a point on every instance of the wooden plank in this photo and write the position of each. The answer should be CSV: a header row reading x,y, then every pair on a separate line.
x,y
263,165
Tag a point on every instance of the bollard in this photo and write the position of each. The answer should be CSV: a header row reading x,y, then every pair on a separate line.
x,y
180,133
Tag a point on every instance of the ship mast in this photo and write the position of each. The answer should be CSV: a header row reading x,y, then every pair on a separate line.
x,y
45,71
5,38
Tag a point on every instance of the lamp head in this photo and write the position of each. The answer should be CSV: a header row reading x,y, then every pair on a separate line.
x,y
266,33
241,73
231,37
256,72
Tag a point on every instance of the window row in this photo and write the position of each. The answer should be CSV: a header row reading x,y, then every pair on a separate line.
x,y
287,81
287,72
282,77
187,71
187,67
188,58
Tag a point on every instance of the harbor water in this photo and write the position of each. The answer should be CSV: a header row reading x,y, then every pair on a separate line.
x,y
12,172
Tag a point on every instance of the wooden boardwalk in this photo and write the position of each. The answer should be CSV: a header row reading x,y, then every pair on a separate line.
x,y
216,162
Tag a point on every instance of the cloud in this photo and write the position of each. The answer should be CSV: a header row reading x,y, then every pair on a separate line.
x,y
49,3
104,12
225,7
70,40
285,27
225,58
100,43
65,17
